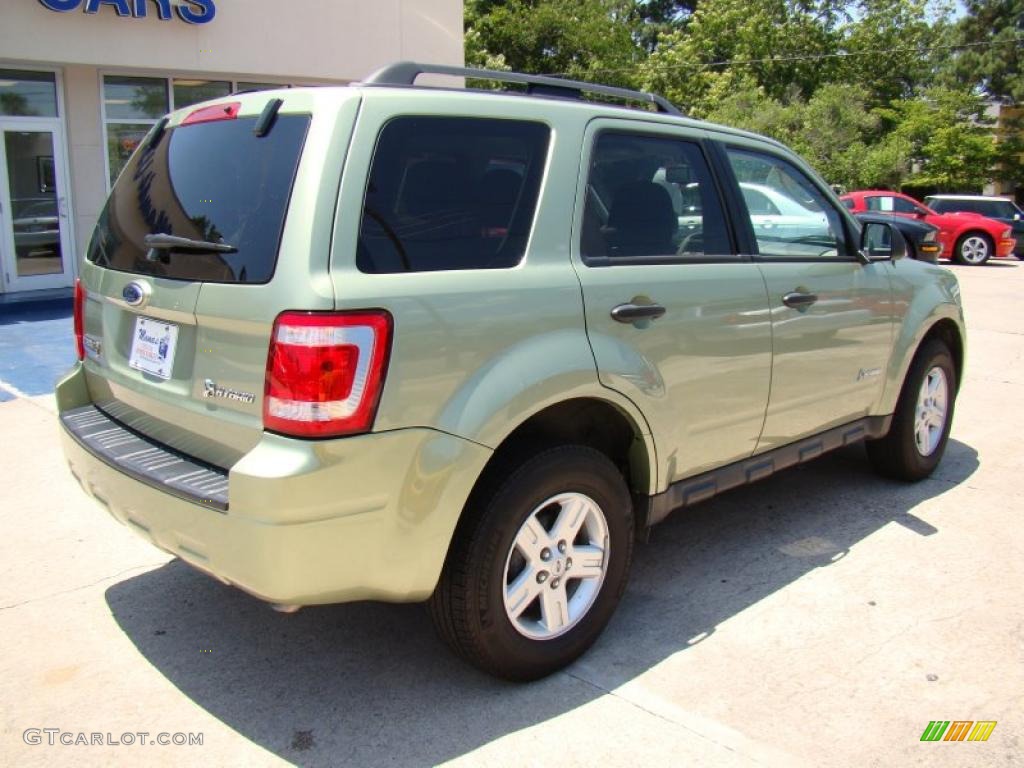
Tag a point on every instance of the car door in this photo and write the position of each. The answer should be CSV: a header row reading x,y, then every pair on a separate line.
x,y
831,314
678,321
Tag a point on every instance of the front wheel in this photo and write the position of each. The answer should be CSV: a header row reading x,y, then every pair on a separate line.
x,y
536,571
920,426
973,249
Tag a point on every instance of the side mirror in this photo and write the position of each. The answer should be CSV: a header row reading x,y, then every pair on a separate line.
x,y
881,242
1016,217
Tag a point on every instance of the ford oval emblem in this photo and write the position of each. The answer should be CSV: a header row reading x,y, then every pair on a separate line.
x,y
134,294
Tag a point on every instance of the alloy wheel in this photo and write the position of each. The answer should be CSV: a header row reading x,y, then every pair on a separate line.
x,y
556,566
930,414
974,249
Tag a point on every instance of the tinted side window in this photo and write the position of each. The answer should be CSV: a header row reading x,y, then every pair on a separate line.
x,y
650,197
790,217
904,206
997,209
451,193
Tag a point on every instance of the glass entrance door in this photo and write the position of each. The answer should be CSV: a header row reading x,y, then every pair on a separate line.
x,y
35,228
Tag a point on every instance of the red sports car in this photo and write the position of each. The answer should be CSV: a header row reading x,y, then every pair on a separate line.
x,y
968,238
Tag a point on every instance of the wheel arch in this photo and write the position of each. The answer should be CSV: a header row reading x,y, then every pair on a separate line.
x,y
947,331
596,422
942,325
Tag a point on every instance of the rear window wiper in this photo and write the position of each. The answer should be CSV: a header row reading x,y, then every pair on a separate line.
x,y
162,242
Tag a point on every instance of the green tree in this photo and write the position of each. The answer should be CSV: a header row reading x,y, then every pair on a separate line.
x,y
588,39
659,17
994,62
831,130
942,140
777,44
889,47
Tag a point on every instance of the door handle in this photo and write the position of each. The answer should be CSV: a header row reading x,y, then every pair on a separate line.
x,y
799,300
630,313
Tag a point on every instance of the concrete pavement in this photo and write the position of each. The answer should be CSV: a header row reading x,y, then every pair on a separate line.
x,y
822,617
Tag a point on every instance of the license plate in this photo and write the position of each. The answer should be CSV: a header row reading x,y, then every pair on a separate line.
x,y
153,347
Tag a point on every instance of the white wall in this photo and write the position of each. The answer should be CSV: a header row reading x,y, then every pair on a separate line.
x,y
301,39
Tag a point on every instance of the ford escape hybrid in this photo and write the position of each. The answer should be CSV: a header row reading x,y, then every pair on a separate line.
x,y
403,343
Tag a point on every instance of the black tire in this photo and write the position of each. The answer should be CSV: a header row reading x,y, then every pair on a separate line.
x,y
897,454
468,606
972,238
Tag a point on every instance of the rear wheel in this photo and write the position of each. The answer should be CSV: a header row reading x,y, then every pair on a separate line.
x,y
535,574
920,426
974,249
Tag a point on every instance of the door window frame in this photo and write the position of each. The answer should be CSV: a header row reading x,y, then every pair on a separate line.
x,y
655,130
58,124
741,218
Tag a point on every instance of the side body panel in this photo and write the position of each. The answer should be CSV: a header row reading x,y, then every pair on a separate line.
x,y
923,295
830,357
476,352
701,372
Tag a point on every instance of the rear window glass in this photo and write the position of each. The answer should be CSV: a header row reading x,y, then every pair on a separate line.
x,y
212,182
450,193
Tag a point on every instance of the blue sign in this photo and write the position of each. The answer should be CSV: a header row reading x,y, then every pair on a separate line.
x,y
191,12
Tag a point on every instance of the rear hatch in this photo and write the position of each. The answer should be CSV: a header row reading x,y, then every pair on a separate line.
x,y
220,221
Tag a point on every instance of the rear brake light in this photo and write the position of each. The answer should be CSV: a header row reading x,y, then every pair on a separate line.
x,y
212,114
325,372
79,315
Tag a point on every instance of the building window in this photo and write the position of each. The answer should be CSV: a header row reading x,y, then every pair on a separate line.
x,y
246,87
189,92
27,94
133,105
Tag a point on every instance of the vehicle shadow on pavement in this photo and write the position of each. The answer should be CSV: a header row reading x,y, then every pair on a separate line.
x,y
369,684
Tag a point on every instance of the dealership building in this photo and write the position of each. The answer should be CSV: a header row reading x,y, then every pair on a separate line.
x,y
82,81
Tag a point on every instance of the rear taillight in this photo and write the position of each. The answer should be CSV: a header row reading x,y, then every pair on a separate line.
x,y
325,372
79,319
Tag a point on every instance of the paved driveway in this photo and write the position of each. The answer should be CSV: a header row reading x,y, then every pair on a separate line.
x,y
36,346
822,617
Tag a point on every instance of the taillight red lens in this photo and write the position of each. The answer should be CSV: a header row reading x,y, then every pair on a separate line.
x,y
212,114
325,372
79,319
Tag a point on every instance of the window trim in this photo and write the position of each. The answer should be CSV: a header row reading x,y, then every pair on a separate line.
x,y
743,220
654,131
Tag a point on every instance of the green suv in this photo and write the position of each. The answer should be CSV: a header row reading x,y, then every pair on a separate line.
x,y
403,343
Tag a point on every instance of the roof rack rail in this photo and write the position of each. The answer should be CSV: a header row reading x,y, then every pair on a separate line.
x,y
406,72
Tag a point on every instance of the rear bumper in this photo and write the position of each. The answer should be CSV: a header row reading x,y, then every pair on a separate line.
x,y
367,517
